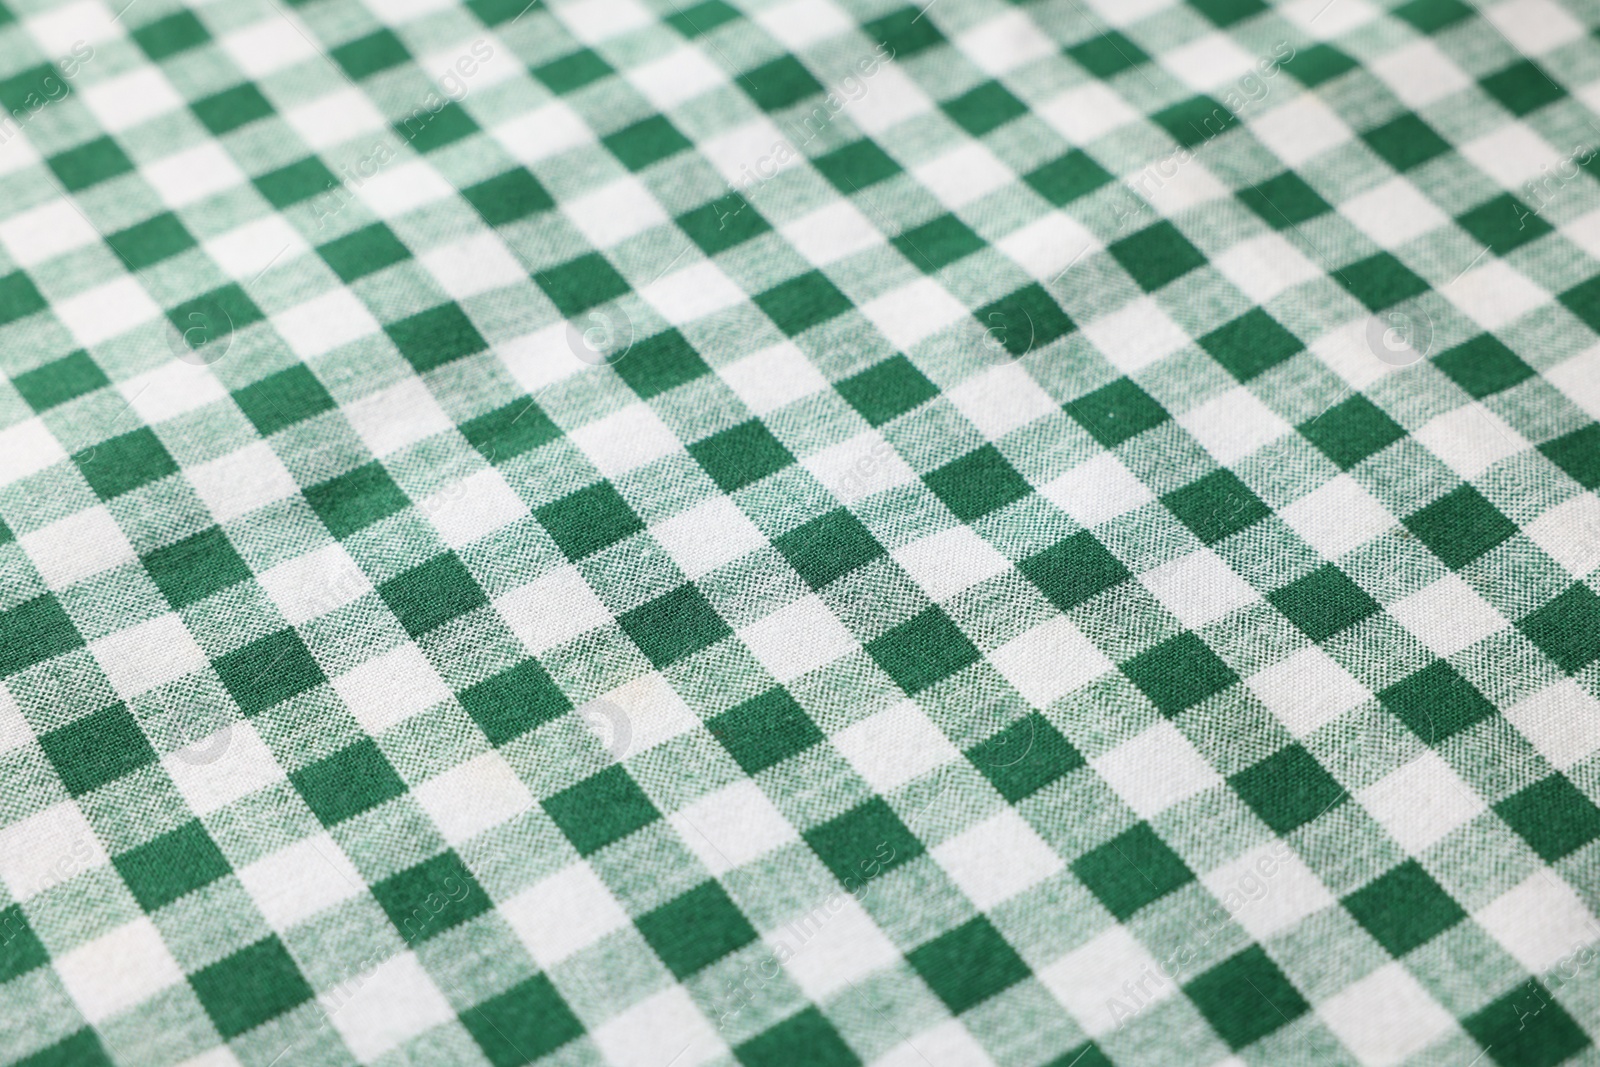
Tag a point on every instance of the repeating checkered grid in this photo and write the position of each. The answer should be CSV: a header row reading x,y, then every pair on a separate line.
x,y
994,605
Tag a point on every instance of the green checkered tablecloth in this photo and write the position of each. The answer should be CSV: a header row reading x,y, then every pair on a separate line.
x,y
799,532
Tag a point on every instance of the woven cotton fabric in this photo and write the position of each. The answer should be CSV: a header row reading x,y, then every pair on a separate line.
x,y
799,532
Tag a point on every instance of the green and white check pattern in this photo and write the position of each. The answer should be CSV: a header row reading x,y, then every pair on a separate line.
x,y
997,588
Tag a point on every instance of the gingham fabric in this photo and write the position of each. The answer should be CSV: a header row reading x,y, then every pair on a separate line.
x,y
807,532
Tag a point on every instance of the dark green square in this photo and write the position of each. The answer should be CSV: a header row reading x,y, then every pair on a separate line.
x,y
515,701
674,625
494,12
848,844
1216,506
856,165
1352,430
228,110
741,456
1246,997
645,142
887,390
803,302
507,197
1404,908
168,36
82,1049
1157,256
1288,789
354,779
938,243
1527,1028
764,731
1577,453
34,631
697,929
1179,673
434,896
923,651
366,251
1483,366
268,671
296,182
1553,816
580,284
1324,602
20,948
279,400
1117,412
251,986
1025,320
573,71
125,463
828,547
19,298
96,749
1074,570
779,83
1066,178
1406,142
600,810
905,30
436,337
977,484
151,241
1284,200
367,55
171,866
1319,63
806,1037
988,107
584,522
527,1021
1251,344
60,380
1227,12
356,499
1436,702
1583,300
660,363
1430,16
222,311
26,93
1194,121
1026,756
1522,87
430,595
90,164
723,223
190,570
1107,54
1568,628
1460,526
429,131
1504,223
1380,281
702,18
1131,870
968,965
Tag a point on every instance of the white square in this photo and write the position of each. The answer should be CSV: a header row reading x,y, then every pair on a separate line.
x,y
391,1004
1535,26
1470,439
215,771
654,711
735,151
106,311
626,440
612,214
393,418
1570,534
1097,491
864,465
1004,43
894,746
1539,921
1579,378
46,849
798,639
1307,690
1122,13
1233,425
1199,588
250,250
1049,245
734,826
833,232
1511,155
773,378
913,312
1562,721
1086,979
1156,769
27,448
667,1023
471,797
83,22
324,323
1087,112
1049,661
893,98
42,233
1338,516
193,175
1136,336
297,882
563,914
1386,1018
1325,21
391,687
593,21
173,388
832,945
1420,803
1419,74
1393,213
473,508
1209,62
542,133
948,1042
148,655
945,563
1001,400
335,118
1265,267
114,972
14,729
275,41
802,23
403,187
676,78
475,265
1190,187
82,544
1301,129
1268,890
1495,295
552,609
963,175
1447,616
708,535
314,583
241,481
997,859
698,290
